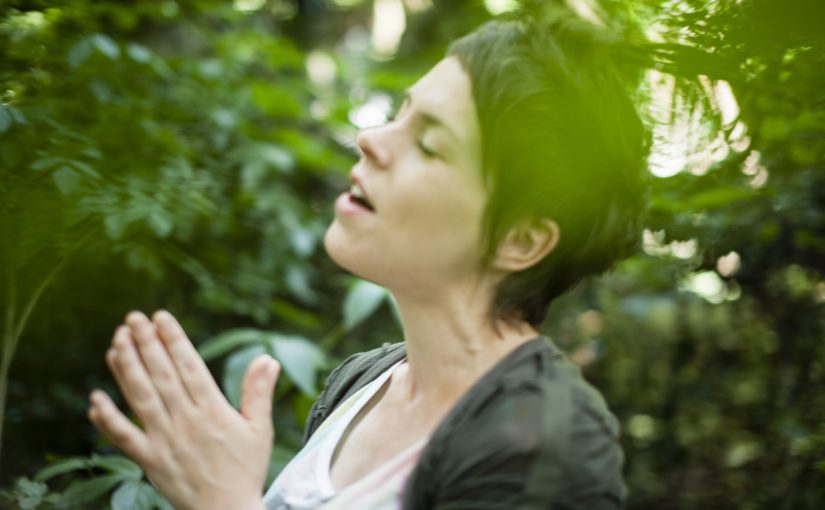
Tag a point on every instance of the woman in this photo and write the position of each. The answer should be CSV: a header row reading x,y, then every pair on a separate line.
x,y
512,171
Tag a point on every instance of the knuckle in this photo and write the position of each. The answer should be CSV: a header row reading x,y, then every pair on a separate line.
x,y
152,461
145,335
190,365
165,377
122,437
105,414
142,397
148,409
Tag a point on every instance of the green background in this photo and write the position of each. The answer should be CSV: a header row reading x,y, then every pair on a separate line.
x,y
185,155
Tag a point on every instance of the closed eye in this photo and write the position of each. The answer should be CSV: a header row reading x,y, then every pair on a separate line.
x,y
430,153
423,147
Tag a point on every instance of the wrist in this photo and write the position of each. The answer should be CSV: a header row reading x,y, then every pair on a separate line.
x,y
255,503
258,505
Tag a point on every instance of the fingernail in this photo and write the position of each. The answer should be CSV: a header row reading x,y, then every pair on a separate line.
x,y
133,317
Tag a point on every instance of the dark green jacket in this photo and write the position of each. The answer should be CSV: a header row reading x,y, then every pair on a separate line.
x,y
530,434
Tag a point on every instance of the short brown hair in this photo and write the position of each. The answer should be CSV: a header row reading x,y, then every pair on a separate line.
x,y
561,139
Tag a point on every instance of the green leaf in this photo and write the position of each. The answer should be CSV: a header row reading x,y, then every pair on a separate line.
x,y
302,240
276,156
66,179
295,316
106,46
43,163
115,224
138,53
235,369
31,488
134,495
160,502
102,91
118,464
79,52
276,100
16,115
300,359
719,196
5,120
160,222
742,453
229,341
60,467
29,502
29,494
84,491
93,152
297,281
142,258
85,168
361,301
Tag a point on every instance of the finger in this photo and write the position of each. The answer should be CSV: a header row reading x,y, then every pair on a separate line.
x,y
256,394
162,371
193,371
134,382
107,418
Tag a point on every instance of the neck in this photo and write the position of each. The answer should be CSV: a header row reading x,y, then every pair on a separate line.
x,y
452,342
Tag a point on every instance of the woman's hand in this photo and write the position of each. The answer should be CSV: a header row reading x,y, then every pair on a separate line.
x,y
194,446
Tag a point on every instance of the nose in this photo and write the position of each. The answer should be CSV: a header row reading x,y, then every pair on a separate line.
x,y
373,145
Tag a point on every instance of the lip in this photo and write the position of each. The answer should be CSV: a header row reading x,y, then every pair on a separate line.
x,y
345,204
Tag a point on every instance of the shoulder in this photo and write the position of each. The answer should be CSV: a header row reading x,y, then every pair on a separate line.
x,y
356,371
579,459
536,434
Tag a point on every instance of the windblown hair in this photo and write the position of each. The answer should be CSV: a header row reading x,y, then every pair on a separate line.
x,y
561,139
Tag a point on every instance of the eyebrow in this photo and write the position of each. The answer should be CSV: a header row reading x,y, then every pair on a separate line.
x,y
431,118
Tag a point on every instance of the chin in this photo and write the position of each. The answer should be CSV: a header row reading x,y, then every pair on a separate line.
x,y
340,249
363,262
333,241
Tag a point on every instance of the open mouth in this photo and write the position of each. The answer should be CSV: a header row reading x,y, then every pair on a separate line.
x,y
357,196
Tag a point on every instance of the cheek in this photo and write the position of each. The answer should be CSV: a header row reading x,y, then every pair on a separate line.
x,y
450,224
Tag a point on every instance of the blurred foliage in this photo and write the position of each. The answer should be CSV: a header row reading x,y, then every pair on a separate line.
x,y
184,154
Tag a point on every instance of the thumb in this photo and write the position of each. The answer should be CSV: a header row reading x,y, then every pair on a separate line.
x,y
256,394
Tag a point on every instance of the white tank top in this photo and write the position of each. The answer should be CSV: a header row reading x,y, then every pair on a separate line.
x,y
305,483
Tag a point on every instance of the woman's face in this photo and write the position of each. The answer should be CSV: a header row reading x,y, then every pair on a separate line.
x,y
420,175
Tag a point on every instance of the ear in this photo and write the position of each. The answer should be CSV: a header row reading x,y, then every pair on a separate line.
x,y
527,243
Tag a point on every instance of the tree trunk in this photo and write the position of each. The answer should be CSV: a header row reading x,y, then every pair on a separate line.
x,y
11,334
8,347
